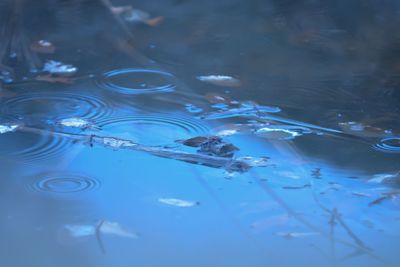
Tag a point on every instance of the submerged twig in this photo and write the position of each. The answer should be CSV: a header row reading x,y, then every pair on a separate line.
x,y
99,237
241,164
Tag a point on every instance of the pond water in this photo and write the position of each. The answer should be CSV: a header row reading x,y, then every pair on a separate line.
x,y
199,133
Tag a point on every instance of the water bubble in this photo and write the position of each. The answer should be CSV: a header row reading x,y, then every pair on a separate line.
x,y
54,105
153,129
64,184
137,81
389,144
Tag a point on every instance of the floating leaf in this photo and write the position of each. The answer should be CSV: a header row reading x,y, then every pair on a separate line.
x,y
178,202
106,227
75,122
6,128
221,80
59,68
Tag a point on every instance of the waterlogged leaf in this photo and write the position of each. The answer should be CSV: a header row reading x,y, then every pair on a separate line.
x,y
59,68
80,230
290,235
75,122
211,145
297,187
106,227
384,196
221,80
55,79
6,128
43,47
178,202
115,228
360,194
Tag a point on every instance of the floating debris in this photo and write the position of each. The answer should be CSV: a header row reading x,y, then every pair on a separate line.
x,y
359,129
360,194
220,80
43,47
132,15
385,178
211,145
243,111
214,98
55,79
75,122
282,132
107,227
6,128
178,202
316,173
192,108
290,235
297,187
385,196
59,68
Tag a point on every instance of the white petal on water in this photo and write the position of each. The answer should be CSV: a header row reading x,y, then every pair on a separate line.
x,y
107,227
178,202
221,80
8,128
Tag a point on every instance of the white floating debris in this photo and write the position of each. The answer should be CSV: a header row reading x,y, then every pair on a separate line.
x,y
290,235
117,143
115,228
221,80
8,128
80,230
59,68
282,132
76,123
106,227
178,202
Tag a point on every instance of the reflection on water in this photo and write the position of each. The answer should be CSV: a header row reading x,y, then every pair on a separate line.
x,y
199,133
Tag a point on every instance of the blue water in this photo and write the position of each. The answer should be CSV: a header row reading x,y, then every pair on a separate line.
x,y
307,91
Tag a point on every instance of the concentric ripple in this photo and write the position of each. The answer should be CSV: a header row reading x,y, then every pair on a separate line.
x,y
137,81
153,130
64,184
53,105
389,144
29,147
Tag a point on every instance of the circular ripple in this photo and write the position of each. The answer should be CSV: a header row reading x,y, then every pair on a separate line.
x,y
28,147
153,130
54,105
137,81
389,144
65,184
